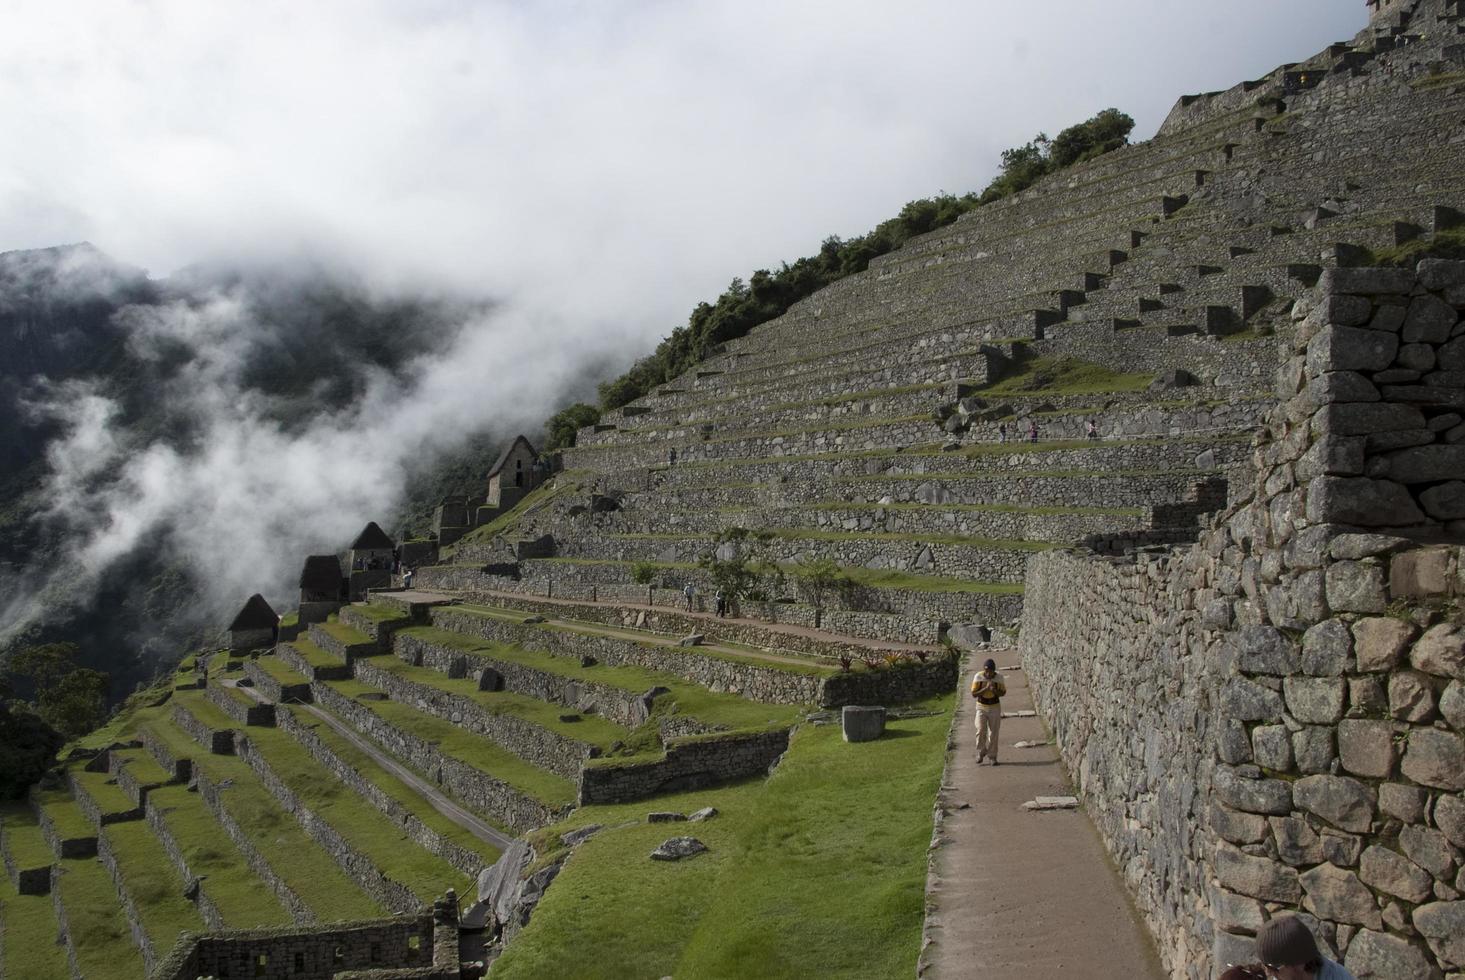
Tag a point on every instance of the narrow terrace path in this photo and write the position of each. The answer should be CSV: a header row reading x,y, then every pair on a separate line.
x,y
463,818
1017,893
787,629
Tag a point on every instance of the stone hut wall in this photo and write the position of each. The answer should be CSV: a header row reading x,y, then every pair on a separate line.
x,y
402,942
1272,720
690,763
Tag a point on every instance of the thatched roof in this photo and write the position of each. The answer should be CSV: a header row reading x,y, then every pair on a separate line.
x,y
257,614
372,537
322,573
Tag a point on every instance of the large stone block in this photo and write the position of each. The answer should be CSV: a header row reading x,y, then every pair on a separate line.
x,y
1272,747
1236,826
1421,573
1337,895
1366,748
1443,926
1265,650
1435,758
1440,651
1341,801
1257,877
1366,281
1312,747
1387,871
1379,642
1445,502
1343,386
1327,648
1315,700
1362,501
1297,843
1374,955
1449,817
1272,796
1426,464
862,723
1429,321
1245,700
1411,696
1429,849
1440,274
1402,802
1452,705
1356,586
1340,348
1366,419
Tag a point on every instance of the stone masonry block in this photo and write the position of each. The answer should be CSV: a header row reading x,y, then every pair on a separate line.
x,y
1435,758
1379,642
1361,501
1315,700
1366,747
1337,895
1441,651
1429,321
1343,802
1338,348
1356,587
1365,281
862,723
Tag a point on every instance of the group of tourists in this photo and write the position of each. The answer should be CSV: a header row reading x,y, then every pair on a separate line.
x,y
719,600
1004,435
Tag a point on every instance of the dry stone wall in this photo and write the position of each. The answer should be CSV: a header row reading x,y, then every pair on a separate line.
x,y
318,954
689,764
1274,719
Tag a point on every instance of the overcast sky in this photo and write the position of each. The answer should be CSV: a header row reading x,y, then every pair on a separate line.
x,y
602,164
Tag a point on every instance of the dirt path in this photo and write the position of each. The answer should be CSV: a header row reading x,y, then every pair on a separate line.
x,y
1017,893
463,818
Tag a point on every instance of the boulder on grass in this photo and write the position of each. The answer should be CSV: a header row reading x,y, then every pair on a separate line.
x,y
863,723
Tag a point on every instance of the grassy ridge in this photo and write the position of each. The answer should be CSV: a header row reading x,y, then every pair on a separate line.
x,y
98,929
29,948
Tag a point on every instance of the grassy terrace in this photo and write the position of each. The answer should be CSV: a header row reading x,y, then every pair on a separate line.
x,y
590,728
65,817
379,612
23,838
565,482
99,933
30,948
463,745
153,883
344,633
400,791
229,883
800,841
103,788
833,505
281,671
301,863
360,823
872,577
724,710
809,534
313,654
143,767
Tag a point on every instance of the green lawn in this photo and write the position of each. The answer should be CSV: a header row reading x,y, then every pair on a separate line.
x,y
818,871
722,710
590,728
143,767
153,882
401,792
99,933
281,671
234,889
344,633
380,612
70,822
29,948
313,654
23,838
301,863
101,787
465,746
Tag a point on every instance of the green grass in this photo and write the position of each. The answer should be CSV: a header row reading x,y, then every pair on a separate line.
x,y
228,882
566,482
818,871
102,788
23,838
1063,376
884,578
314,655
153,883
30,948
98,929
590,728
362,825
721,710
380,612
69,821
346,634
984,509
465,746
142,767
301,863
290,619
281,671
400,791
1443,245
1438,80
988,544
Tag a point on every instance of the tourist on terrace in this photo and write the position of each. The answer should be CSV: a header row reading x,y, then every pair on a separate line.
x,y
690,591
988,688
406,578
721,598
1287,952
1002,432
1093,430
1032,430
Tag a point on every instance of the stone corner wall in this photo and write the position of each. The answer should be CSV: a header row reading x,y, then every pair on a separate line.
x,y
1273,719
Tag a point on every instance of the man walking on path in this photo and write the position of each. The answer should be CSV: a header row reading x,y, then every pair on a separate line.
x,y
689,592
988,688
